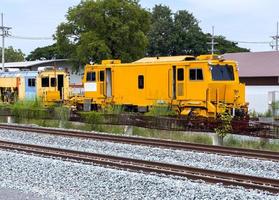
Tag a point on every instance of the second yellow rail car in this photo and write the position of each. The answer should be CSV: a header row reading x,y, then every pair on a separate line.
x,y
202,86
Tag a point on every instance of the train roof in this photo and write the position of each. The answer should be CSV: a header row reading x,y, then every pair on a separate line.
x,y
18,74
165,59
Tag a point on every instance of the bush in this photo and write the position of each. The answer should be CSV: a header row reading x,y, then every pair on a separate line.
x,y
29,109
225,126
113,109
62,113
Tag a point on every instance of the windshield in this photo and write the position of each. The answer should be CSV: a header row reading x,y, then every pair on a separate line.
x,y
222,73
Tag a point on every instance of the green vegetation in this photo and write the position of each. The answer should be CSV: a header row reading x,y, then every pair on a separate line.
x,y
263,144
113,109
224,126
62,113
12,55
47,52
94,119
173,135
104,29
161,110
29,109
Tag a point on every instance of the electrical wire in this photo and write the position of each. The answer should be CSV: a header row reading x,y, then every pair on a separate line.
x,y
30,38
250,42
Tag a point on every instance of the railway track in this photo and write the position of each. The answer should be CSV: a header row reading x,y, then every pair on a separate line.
x,y
249,153
210,176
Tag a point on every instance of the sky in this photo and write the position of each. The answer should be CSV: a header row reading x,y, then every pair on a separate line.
x,y
237,20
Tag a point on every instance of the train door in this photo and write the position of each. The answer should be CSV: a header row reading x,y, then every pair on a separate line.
x,y
60,85
30,88
108,83
101,83
173,84
180,83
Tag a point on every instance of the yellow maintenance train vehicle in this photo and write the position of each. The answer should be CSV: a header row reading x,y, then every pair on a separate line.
x,y
201,86
47,84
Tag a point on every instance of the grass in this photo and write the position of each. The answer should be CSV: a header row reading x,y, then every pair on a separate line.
x,y
161,110
29,109
262,144
173,135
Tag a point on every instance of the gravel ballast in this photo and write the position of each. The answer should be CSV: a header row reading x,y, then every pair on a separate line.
x,y
232,164
49,178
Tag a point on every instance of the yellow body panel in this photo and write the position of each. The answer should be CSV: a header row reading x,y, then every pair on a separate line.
x,y
165,82
51,93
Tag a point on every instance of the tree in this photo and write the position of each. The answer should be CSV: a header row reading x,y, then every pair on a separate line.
x,y
104,29
188,37
12,55
160,35
179,34
47,52
225,46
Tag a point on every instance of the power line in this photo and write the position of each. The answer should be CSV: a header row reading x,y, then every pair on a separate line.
x,y
251,42
30,38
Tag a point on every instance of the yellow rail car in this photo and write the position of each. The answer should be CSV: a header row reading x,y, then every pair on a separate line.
x,y
202,86
50,85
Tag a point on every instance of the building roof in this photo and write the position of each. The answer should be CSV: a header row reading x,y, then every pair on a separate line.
x,y
18,74
27,64
256,64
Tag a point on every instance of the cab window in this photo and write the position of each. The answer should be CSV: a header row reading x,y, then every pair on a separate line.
x,y
91,76
53,82
45,82
195,74
222,73
180,74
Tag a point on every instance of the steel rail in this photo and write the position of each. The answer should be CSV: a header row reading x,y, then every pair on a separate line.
x,y
210,176
231,151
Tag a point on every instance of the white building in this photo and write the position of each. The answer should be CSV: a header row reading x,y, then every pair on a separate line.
x,y
260,72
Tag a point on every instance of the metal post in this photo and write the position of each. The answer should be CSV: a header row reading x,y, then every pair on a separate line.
x,y
3,43
212,41
5,33
277,38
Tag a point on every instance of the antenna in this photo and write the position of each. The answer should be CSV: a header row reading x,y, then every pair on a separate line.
x,y
275,37
212,43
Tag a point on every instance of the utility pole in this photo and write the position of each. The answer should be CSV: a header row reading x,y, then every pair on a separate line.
x,y
275,37
4,34
212,43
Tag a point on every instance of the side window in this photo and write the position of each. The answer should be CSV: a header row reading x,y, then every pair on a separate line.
x,y
180,74
88,76
45,82
31,82
102,75
140,81
196,74
53,82
91,76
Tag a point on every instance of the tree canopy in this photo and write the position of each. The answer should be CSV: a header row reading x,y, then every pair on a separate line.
x,y
122,29
12,55
104,29
179,33
47,52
